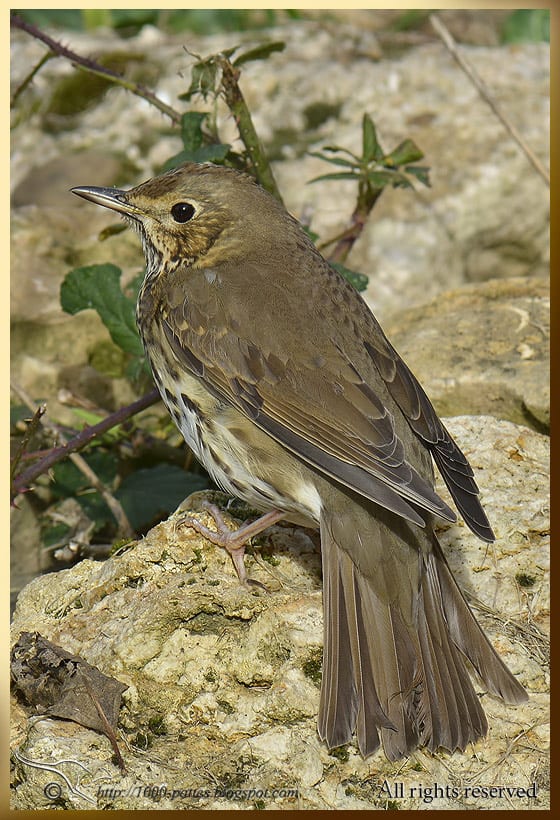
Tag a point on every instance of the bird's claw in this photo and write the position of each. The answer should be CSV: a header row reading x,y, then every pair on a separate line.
x,y
234,541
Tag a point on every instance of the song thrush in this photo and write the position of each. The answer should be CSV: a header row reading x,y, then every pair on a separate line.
x,y
285,387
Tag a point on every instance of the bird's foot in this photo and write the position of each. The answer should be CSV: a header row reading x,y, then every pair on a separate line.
x,y
233,541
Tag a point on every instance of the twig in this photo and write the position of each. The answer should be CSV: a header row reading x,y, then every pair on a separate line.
x,y
94,67
84,437
469,70
35,70
107,728
29,431
345,242
124,528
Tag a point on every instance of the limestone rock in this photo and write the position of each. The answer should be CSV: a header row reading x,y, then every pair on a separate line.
x,y
482,349
223,684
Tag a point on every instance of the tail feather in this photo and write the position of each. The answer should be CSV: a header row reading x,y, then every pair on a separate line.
x,y
464,720
349,701
394,669
467,634
339,701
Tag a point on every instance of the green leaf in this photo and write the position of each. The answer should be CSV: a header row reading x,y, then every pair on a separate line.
x,y
261,52
229,52
334,160
111,230
87,416
406,151
206,153
337,149
151,493
203,79
422,173
380,179
94,506
371,148
191,129
311,234
98,287
358,280
68,480
342,175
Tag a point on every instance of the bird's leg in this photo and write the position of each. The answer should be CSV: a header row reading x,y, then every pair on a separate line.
x,y
233,541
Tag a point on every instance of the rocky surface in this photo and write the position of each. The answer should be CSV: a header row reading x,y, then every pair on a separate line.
x,y
482,349
224,681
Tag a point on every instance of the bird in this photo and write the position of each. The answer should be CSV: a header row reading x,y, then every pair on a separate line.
x,y
287,390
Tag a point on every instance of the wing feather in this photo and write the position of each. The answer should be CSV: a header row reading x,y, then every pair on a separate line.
x,y
362,452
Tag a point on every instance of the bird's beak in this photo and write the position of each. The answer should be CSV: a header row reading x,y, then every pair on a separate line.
x,y
108,197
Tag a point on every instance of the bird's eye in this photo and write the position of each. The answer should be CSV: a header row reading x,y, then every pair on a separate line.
x,y
182,211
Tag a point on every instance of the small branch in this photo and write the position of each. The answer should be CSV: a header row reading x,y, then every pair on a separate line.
x,y
469,70
29,431
124,528
238,107
107,728
347,239
84,437
35,70
94,67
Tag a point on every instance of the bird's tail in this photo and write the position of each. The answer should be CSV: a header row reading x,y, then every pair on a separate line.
x,y
397,630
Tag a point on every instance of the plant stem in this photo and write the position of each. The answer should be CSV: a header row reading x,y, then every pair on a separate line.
x,y
238,107
35,70
346,240
29,431
69,448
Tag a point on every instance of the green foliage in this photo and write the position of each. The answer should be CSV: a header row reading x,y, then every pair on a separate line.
x,y
261,52
69,482
194,149
409,20
98,287
357,280
146,495
150,494
206,73
374,169
129,21
210,21
527,26
58,18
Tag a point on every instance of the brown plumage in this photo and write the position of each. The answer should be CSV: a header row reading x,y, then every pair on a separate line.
x,y
286,388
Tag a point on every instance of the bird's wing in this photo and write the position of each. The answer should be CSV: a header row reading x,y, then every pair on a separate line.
x,y
422,418
326,414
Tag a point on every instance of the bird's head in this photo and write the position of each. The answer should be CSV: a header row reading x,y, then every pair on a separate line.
x,y
197,214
